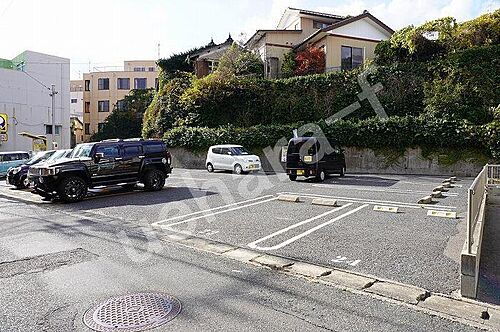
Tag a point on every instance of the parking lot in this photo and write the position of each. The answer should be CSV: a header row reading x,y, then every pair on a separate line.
x,y
408,246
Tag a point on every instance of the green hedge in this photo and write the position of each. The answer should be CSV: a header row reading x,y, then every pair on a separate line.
x,y
395,133
463,85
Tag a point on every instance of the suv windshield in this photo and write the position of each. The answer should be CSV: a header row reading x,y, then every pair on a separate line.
x,y
39,157
239,151
81,150
57,155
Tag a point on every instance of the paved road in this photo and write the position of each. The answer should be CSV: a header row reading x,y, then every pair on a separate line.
x,y
409,246
87,260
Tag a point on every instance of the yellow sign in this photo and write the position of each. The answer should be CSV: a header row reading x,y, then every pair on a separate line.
x,y
4,120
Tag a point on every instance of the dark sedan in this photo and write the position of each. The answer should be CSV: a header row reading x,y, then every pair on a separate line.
x,y
18,176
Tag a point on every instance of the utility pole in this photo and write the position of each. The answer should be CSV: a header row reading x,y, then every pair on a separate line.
x,y
53,94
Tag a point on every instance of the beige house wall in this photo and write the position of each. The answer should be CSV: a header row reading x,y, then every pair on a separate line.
x,y
333,46
94,117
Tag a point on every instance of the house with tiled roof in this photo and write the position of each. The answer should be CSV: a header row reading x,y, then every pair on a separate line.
x,y
348,41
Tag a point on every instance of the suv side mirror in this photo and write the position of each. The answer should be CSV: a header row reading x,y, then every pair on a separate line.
x,y
98,156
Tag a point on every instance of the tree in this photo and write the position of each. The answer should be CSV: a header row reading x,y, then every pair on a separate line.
x,y
126,121
312,60
238,61
289,65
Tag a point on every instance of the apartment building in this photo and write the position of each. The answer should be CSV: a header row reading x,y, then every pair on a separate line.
x,y
26,105
103,91
348,41
76,97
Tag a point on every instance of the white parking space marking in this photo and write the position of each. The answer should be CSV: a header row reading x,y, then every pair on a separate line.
x,y
345,260
208,210
214,213
252,245
394,191
377,202
298,237
187,178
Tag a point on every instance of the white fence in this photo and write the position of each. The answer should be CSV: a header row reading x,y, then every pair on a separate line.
x,y
490,175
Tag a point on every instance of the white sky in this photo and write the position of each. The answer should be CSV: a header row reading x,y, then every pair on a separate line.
x,y
104,33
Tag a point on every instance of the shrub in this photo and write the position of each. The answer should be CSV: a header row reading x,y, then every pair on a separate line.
x,y
237,61
289,65
312,60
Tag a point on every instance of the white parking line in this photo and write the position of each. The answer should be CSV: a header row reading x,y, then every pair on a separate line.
x,y
187,178
312,230
377,202
215,213
395,191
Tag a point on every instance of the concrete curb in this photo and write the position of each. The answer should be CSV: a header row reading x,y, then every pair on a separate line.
x,y
465,311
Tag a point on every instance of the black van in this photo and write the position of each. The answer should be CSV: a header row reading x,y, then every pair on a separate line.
x,y
304,157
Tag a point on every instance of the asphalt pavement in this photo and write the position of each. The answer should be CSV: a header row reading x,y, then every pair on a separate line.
x,y
112,250
99,259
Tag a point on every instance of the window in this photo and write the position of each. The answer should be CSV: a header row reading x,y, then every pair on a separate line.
x,y
140,83
319,25
74,101
87,85
87,107
120,105
87,129
103,106
154,148
48,130
151,68
212,65
123,84
132,151
224,151
109,151
351,57
100,126
103,84
139,69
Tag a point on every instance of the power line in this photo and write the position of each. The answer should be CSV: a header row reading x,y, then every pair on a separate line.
x,y
36,80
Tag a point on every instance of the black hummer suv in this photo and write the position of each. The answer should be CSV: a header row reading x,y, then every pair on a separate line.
x,y
110,162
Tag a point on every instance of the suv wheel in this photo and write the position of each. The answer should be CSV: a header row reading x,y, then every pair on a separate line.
x,y
321,176
238,169
154,180
72,189
23,183
292,177
210,167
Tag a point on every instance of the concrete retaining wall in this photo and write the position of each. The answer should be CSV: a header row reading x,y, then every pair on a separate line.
x,y
358,160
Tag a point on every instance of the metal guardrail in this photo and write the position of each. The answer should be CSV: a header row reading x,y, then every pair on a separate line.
x,y
476,195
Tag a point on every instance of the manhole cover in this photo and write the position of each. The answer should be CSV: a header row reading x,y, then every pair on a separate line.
x,y
134,312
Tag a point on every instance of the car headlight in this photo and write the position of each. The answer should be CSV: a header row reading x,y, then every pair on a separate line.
x,y
49,171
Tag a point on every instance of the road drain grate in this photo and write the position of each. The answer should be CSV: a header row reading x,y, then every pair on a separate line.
x,y
134,312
